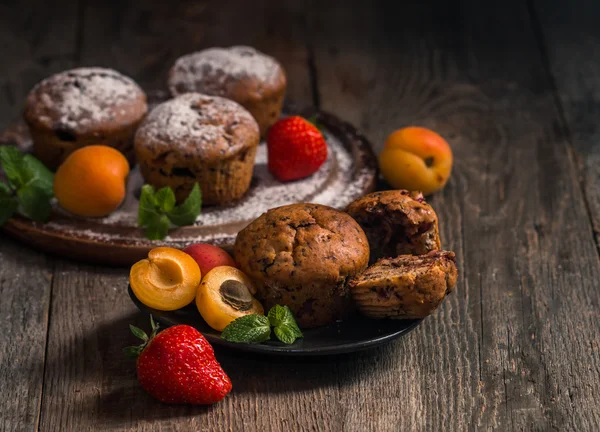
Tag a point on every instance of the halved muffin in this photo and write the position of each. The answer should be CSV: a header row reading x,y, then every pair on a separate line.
x,y
405,287
396,222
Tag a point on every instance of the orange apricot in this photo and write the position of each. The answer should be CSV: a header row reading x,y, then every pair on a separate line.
x,y
167,280
224,295
417,159
91,181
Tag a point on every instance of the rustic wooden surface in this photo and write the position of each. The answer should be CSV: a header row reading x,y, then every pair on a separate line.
x,y
514,87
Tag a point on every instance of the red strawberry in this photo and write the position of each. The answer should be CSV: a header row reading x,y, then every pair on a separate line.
x,y
296,149
179,366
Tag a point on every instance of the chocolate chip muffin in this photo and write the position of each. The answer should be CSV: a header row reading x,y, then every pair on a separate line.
x,y
396,222
198,138
81,107
406,287
243,74
301,255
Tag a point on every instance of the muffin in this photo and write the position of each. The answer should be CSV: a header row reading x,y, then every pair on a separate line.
x,y
198,138
243,74
81,107
301,255
396,222
406,287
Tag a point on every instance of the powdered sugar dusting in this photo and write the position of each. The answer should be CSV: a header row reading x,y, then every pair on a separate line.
x,y
208,70
193,115
85,96
335,184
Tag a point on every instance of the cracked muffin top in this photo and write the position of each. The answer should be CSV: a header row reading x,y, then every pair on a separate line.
x,y
301,255
396,222
83,99
197,127
239,71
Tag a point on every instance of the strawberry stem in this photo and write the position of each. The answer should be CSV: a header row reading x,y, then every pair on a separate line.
x,y
135,351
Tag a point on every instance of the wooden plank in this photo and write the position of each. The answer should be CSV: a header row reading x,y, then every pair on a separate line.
x,y
25,280
569,36
89,383
36,40
515,348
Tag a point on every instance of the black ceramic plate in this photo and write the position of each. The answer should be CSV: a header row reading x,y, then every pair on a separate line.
x,y
355,334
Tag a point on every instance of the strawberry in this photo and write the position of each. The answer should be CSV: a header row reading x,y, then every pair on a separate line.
x,y
296,148
178,366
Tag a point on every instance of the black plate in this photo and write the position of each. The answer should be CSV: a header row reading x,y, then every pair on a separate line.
x,y
355,334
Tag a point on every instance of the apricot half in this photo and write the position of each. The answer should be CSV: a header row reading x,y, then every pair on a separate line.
x,y
224,295
167,280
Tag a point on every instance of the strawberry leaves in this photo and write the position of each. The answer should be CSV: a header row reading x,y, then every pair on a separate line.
x,y
256,328
158,210
29,186
135,351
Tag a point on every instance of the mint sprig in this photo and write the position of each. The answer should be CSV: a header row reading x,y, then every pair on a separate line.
x,y
28,187
158,210
251,328
256,328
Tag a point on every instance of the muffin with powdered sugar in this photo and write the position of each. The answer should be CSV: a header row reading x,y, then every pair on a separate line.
x,y
198,138
240,73
80,107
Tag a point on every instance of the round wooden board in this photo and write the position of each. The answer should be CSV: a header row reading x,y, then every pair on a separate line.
x,y
349,172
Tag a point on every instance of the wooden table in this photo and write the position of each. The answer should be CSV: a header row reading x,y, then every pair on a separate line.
x,y
513,85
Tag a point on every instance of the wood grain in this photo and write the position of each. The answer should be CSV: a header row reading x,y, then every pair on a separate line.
x,y
35,41
569,37
494,356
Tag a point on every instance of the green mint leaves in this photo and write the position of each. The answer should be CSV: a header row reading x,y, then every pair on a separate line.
x,y
251,328
284,324
29,186
157,210
255,328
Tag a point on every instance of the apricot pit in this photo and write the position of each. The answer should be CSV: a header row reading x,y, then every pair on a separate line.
x,y
224,295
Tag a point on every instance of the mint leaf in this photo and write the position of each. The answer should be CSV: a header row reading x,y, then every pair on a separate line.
x,y
282,315
34,203
188,211
287,334
8,204
285,326
11,160
165,199
251,328
147,208
36,173
157,227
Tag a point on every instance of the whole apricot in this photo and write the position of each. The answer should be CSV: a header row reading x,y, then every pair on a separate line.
x,y
167,280
91,181
417,159
209,256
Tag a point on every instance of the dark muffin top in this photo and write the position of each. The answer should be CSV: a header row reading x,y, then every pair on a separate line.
x,y
396,222
198,127
84,100
225,72
303,242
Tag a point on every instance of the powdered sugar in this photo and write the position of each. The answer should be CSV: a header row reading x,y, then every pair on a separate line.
x,y
85,96
335,184
210,69
193,115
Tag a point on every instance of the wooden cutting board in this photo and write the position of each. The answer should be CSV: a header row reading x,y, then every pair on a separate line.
x,y
349,172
